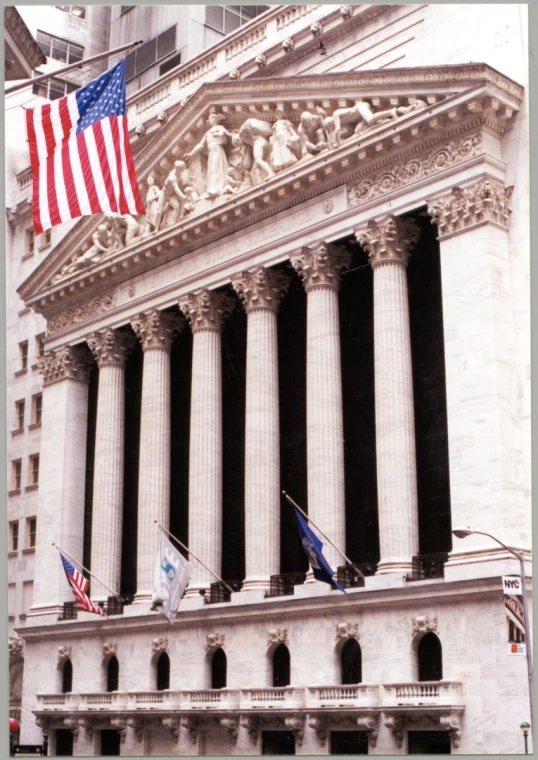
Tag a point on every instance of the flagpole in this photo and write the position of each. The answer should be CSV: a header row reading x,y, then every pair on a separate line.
x,y
194,556
62,551
71,67
340,552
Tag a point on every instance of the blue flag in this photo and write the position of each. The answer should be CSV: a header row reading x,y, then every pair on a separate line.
x,y
313,546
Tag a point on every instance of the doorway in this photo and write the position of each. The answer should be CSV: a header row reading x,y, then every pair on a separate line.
x,y
349,743
278,743
428,743
64,742
110,742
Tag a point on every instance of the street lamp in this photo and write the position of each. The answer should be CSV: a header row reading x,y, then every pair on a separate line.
x,y
525,728
463,533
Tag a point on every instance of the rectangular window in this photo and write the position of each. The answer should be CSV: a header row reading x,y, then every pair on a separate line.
x,y
150,52
227,18
53,89
34,470
61,50
19,412
45,237
30,241
14,536
31,526
73,10
40,345
11,600
27,596
16,474
23,355
37,408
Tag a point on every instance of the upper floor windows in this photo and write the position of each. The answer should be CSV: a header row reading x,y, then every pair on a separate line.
x,y
16,476
23,355
29,246
33,474
163,672
74,10
430,658
52,89
218,669
281,666
14,536
150,53
31,532
227,18
40,345
67,677
60,50
19,414
112,674
350,660
37,409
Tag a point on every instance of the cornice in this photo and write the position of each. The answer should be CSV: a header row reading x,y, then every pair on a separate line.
x,y
22,37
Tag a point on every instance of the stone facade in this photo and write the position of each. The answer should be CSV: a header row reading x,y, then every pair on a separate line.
x,y
271,191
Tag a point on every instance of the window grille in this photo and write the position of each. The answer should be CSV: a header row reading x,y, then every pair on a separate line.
x,y
283,584
69,611
428,566
227,18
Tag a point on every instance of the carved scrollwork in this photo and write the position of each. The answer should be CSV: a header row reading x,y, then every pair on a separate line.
x,y
424,624
121,725
231,724
73,725
485,201
395,724
253,727
16,646
98,305
190,722
137,724
206,310
64,653
277,636
389,240
159,644
111,346
172,724
345,631
260,288
321,266
215,640
295,723
62,363
156,330
320,727
110,648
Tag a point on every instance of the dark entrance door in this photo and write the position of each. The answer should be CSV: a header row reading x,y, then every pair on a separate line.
x,y
428,743
349,743
110,742
278,743
64,742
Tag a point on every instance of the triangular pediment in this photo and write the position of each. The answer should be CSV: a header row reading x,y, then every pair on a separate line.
x,y
251,147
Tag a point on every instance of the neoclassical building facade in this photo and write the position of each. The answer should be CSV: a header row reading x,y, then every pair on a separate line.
x,y
327,295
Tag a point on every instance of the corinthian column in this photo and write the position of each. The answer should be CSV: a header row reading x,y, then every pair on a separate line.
x,y
155,331
387,243
110,349
260,291
319,269
205,312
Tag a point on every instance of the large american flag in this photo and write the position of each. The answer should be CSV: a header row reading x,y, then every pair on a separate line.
x,y
79,585
80,154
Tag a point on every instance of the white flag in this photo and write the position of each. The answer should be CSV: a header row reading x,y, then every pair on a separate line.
x,y
172,575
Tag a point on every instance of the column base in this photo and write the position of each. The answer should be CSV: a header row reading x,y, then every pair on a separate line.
x,y
398,565
197,588
142,597
256,583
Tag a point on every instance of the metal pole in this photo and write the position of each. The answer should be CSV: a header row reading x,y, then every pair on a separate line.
x,y
526,744
71,67
114,593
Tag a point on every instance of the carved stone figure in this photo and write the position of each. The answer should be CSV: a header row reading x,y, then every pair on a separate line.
x,y
101,244
152,204
212,144
361,115
311,133
286,145
240,160
256,133
124,230
174,197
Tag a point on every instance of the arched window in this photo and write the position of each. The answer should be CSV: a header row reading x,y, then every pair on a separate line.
x,y
112,674
430,658
67,677
351,662
218,670
163,672
281,666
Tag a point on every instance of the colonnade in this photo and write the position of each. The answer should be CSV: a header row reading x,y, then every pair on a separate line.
x,y
260,290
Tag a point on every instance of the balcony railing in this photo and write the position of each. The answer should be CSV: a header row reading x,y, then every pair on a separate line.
x,y
284,697
360,695
218,592
283,584
210,699
427,566
69,612
350,576
422,693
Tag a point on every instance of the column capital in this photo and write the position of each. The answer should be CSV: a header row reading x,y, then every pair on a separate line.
x,y
388,240
205,309
487,200
110,347
320,267
156,329
260,288
66,362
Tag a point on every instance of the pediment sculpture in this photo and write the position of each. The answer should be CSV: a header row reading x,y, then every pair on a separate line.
x,y
225,161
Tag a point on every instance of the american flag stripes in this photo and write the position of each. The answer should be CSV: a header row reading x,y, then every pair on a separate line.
x,y
79,585
80,154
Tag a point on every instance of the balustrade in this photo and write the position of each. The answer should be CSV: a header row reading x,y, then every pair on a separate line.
x,y
423,692
361,695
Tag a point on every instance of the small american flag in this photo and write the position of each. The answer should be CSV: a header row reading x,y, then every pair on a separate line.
x,y
80,154
79,585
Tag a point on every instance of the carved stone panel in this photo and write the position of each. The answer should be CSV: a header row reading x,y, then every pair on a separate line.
x,y
110,648
345,631
64,653
159,644
424,624
216,640
277,636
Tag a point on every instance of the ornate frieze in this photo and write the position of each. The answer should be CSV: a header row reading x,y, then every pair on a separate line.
x,y
389,240
345,631
277,636
110,346
110,648
159,644
322,266
260,288
414,169
215,641
398,724
365,722
156,329
463,208
98,305
16,646
206,310
62,363
424,624
64,653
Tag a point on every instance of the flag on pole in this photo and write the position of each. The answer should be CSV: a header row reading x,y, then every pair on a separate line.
x,y
80,154
79,586
172,575
313,548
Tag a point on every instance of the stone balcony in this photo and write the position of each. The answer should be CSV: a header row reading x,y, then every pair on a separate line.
x,y
361,695
432,693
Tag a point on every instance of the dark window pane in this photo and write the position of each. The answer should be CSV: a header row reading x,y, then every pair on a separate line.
x,y
67,677
163,672
170,64
350,658
281,666
214,16
231,21
113,674
218,670
430,658
166,43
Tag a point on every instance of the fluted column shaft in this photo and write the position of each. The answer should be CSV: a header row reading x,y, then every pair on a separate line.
x,y
155,332
388,244
109,348
320,270
260,291
204,312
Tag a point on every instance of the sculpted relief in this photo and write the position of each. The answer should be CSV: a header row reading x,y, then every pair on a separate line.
x,y
226,161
